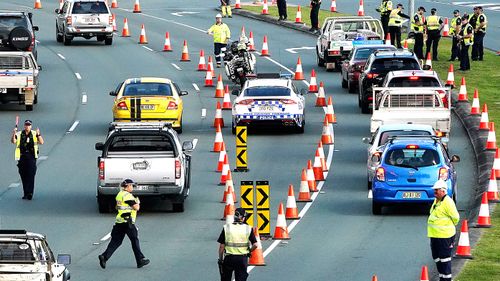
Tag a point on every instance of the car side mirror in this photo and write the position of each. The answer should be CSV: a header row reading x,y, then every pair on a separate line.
x,y
450,86
39,67
64,259
99,146
184,93
112,93
57,11
455,158
367,140
187,146
235,92
426,67
36,28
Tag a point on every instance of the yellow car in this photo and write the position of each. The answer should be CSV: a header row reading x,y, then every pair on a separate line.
x,y
148,99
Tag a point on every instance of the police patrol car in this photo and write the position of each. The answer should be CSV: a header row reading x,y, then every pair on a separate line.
x,y
270,99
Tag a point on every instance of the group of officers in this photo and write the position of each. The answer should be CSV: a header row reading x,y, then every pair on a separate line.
x,y
466,30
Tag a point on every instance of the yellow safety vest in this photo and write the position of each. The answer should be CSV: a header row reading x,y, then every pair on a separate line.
x,y
385,7
433,22
417,28
395,19
236,239
485,22
442,219
221,32
17,153
468,41
453,26
124,208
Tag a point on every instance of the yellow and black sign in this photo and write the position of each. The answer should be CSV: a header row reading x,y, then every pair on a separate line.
x,y
241,149
247,195
262,190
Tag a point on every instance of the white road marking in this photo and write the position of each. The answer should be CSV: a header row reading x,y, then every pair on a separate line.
x,y
294,50
179,14
84,98
106,237
196,87
147,48
73,126
170,21
195,142
176,66
16,184
43,158
61,56
203,113
78,76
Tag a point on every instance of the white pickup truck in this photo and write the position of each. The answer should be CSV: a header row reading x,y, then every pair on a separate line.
x,y
19,79
412,105
151,155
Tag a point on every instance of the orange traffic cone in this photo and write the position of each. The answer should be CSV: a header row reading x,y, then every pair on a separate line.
x,y
388,39
251,44
428,60
298,16
462,93
304,193
491,142
265,8
218,142
222,158
265,48
167,47
113,21
292,213
142,37
496,164
218,120
219,90
311,180
313,85
483,220
225,174
321,100
405,44
208,78
474,110
256,256
327,134
318,167
229,208
38,4
210,66
493,188
114,4
229,187
322,156
299,74
137,7
463,248
333,7
185,52
226,102
330,113
281,230
446,28
125,32
202,66
450,80
424,276
483,124
237,4
361,10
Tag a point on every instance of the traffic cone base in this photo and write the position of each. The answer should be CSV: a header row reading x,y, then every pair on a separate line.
x,y
463,249
137,7
424,275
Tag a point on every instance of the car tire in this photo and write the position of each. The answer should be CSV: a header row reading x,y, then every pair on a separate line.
x,y
100,38
319,60
20,32
108,41
301,129
350,87
178,207
29,107
344,82
455,195
376,208
233,128
179,130
59,37
365,107
35,101
369,184
104,204
66,40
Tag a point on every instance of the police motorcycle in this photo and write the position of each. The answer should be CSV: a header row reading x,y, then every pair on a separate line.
x,y
239,62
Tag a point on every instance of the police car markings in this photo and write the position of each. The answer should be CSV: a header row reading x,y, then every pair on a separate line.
x,y
196,87
203,112
147,48
195,142
73,126
176,66
78,76
61,56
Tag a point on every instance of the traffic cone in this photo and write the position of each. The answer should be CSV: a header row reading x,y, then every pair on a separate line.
x,y
318,167
304,193
114,4
219,90
229,208
322,156
226,102
113,16
428,61
330,113
388,39
483,220
38,4
265,9
251,44
405,44
313,85
462,93
321,100
483,124
333,7
463,248
257,256
222,158
210,66
218,142
208,78
311,181
137,7
167,46
225,173
229,187
292,213
496,164
374,278
202,66
450,80
446,28
281,230
493,188
298,16
361,10
185,52
491,142
243,34
125,32
474,110
142,37
218,120
265,48
327,134
299,74
237,4
424,276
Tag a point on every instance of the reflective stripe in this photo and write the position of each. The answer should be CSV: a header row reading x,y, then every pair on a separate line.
x,y
236,239
442,219
436,260
220,32
446,259
433,22
445,275
123,208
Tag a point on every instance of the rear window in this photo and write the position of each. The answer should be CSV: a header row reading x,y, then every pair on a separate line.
x,y
363,54
15,252
412,100
385,65
412,157
267,92
384,137
147,89
12,21
414,81
141,143
14,62
94,7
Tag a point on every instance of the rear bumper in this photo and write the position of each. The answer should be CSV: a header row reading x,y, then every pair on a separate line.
x,y
175,122
269,120
84,32
149,190
385,194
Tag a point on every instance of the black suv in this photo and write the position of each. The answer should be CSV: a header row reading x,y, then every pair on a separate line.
x,y
17,32
378,65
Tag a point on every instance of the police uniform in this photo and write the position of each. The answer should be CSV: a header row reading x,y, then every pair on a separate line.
x,y
417,26
395,23
221,34
465,43
315,5
385,10
479,33
226,8
282,9
124,225
455,24
434,25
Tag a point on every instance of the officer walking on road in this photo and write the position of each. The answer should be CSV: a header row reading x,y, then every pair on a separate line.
x,y
395,23
221,34
441,229
434,25
466,39
26,153
234,249
127,206
385,10
282,9
456,23
314,15
417,26
479,33
226,8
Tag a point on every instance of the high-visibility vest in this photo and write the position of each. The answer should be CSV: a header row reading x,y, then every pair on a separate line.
x,y
236,238
221,32
483,29
417,28
385,7
395,19
453,26
124,208
433,22
467,41
442,219
17,153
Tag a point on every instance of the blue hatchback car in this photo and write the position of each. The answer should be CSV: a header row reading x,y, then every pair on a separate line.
x,y
409,167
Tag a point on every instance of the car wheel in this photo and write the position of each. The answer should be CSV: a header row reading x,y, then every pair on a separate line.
x,y
179,130
344,82
66,40
178,207
233,128
108,41
454,197
29,107
35,101
59,37
103,203
376,208
369,184
319,61
351,88
365,107
301,129
100,38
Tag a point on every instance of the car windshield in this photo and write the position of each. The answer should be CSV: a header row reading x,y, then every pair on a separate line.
x,y
94,7
384,65
267,91
414,81
147,89
363,54
140,143
412,157
12,21
15,252
384,136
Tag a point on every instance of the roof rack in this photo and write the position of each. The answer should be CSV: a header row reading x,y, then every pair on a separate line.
x,y
273,75
435,138
13,231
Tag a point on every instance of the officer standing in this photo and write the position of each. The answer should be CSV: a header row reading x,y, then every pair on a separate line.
x,y
466,39
417,26
221,34
282,9
441,229
395,23
434,25
26,153
127,206
234,249
479,33
226,8
314,15
385,10
456,23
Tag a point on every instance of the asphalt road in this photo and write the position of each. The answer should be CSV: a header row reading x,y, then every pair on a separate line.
x,y
338,238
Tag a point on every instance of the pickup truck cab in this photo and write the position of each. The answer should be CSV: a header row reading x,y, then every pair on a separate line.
x,y
151,154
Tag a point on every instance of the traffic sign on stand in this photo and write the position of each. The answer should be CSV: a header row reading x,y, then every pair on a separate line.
x,y
247,199
262,190
241,149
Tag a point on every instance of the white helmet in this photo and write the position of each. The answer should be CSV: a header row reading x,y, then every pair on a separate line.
x,y
440,184
218,16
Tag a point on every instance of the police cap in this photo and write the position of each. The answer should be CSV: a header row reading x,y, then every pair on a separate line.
x,y
28,122
400,5
127,182
456,12
422,9
465,17
433,10
240,214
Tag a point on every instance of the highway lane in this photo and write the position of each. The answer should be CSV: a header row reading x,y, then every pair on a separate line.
x,y
182,246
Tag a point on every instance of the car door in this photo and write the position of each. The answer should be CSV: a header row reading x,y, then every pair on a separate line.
x,y
61,17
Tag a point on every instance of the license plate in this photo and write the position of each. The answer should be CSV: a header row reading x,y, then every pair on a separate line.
x,y
148,106
266,108
3,91
141,187
89,20
412,195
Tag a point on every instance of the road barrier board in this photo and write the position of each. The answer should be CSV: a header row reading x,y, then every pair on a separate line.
x,y
247,200
262,190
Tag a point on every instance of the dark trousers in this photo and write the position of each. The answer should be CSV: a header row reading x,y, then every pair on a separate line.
x,y
433,40
441,253
282,9
395,36
464,57
455,49
27,170
217,52
117,235
314,16
235,263
477,47
418,48
385,25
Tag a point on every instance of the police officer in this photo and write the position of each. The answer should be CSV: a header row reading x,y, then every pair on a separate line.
x,y
26,153
221,34
434,25
315,5
226,8
234,250
479,33
417,26
441,229
385,10
282,9
456,23
127,206
395,23
466,39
